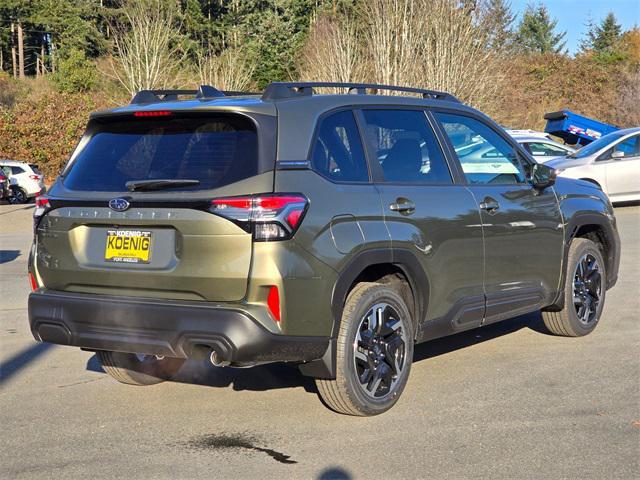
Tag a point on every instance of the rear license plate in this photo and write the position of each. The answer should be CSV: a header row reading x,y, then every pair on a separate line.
x,y
128,246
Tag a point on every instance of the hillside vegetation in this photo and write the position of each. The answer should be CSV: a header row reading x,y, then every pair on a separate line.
x,y
66,58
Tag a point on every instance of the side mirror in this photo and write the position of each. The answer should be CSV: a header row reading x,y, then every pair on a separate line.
x,y
542,176
617,154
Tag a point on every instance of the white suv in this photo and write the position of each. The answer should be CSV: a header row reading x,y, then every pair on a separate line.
x,y
25,178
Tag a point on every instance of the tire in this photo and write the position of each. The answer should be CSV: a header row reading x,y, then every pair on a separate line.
x,y
129,368
580,316
390,340
19,196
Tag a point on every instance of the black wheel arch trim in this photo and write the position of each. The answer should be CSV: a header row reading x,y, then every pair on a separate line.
x,y
611,257
406,261
402,258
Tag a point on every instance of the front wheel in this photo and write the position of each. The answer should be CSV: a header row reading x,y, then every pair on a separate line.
x,y
374,352
137,369
584,292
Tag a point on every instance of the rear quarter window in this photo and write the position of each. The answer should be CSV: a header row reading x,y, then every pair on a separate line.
x,y
338,153
215,150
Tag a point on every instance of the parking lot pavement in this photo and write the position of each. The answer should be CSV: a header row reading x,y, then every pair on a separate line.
x,y
501,402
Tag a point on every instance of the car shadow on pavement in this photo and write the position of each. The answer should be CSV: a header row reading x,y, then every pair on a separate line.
x,y
17,207
7,256
455,342
22,359
260,378
280,375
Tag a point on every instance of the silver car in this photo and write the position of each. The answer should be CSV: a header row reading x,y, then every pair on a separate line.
x,y
543,149
538,144
612,162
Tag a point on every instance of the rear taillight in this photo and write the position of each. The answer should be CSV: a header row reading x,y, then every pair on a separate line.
x,y
42,207
268,216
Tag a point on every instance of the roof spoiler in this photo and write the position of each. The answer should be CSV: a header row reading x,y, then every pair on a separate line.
x,y
154,96
284,90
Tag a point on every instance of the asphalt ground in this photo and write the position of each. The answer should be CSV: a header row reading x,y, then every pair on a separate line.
x,y
506,401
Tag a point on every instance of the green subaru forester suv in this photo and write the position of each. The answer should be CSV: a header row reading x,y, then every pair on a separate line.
x,y
331,231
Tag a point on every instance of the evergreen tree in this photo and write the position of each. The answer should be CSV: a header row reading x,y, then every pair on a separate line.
x,y
604,37
70,24
498,21
536,32
276,31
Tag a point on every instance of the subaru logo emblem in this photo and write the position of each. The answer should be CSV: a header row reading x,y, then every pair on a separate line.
x,y
118,204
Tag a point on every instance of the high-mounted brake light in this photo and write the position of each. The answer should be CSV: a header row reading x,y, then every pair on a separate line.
x,y
268,216
152,113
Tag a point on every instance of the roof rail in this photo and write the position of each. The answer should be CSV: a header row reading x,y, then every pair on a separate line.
x,y
153,96
282,90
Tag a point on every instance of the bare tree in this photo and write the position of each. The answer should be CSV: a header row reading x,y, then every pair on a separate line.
x,y
455,56
146,45
427,43
394,39
333,51
230,70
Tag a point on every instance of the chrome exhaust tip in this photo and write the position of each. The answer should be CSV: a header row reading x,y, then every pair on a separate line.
x,y
217,360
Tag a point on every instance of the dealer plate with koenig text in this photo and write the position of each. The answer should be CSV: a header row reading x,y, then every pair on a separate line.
x,y
128,246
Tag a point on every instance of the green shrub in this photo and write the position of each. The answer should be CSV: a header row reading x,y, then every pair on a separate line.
x,y
75,73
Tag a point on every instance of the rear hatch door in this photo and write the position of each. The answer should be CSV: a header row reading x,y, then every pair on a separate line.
x,y
131,213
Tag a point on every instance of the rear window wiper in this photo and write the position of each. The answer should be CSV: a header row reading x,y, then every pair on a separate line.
x,y
159,184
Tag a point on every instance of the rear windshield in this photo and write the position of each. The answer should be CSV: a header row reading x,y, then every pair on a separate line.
x,y
216,151
35,169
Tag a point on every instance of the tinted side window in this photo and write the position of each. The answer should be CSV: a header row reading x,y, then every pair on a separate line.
x,y
337,152
630,147
406,147
17,170
484,155
540,149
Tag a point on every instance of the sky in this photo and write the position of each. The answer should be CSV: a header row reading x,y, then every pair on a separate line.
x,y
573,15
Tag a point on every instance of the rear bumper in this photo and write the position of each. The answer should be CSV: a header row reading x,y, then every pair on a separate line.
x,y
32,188
162,327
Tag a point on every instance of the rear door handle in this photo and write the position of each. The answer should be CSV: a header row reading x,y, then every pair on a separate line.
x,y
403,206
490,205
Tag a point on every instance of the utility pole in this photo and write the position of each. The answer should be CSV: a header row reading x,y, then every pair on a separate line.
x,y
13,50
42,69
20,50
53,56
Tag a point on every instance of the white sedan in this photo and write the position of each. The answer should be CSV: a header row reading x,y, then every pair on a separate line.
x,y
612,162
